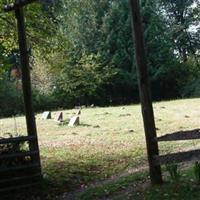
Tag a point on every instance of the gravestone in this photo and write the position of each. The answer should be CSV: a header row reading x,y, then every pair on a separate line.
x,y
78,112
74,121
46,115
59,117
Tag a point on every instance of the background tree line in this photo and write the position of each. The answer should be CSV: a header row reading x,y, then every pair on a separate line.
x,y
82,53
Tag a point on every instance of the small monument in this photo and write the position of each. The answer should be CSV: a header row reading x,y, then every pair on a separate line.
x,y
46,115
59,117
74,121
78,112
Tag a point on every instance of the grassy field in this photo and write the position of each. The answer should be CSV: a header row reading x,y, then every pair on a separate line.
x,y
109,141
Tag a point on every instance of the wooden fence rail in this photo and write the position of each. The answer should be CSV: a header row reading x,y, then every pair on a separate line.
x,y
17,139
177,157
18,169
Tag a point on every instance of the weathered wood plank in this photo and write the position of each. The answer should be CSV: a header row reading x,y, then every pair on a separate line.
x,y
180,135
11,180
18,187
22,167
18,4
17,139
145,93
17,155
177,157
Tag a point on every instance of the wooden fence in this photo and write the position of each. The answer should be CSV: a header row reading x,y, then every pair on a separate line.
x,y
18,169
184,156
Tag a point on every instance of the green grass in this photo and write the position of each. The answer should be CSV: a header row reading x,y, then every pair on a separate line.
x,y
111,189
137,186
108,142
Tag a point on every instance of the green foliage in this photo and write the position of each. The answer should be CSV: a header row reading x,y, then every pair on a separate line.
x,y
4,62
109,188
11,148
84,80
173,171
197,171
82,51
182,16
11,101
192,89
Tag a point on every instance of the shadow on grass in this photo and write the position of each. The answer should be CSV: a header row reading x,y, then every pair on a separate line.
x,y
181,135
64,172
84,125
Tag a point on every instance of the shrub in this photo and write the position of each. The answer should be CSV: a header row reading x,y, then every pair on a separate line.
x,y
173,171
11,101
197,171
10,148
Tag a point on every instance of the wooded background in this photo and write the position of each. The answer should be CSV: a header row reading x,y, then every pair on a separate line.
x,y
82,53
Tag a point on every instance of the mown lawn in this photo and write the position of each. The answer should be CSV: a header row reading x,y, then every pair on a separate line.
x,y
109,141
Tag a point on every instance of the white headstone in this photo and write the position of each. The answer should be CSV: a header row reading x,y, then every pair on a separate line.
x,y
74,121
78,112
59,117
46,115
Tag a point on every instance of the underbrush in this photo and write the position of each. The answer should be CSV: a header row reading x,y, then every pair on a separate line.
x,y
137,187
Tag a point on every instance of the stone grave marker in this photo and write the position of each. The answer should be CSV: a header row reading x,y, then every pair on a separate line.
x,y
46,115
74,121
59,117
78,112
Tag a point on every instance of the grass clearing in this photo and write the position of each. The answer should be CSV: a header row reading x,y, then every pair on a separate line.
x,y
109,140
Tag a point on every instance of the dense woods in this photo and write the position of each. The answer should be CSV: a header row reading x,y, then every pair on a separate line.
x,y
82,53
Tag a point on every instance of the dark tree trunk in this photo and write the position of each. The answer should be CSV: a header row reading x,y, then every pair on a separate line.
x,y
26,82
145,95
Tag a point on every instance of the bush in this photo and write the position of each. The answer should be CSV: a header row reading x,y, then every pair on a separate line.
x,y
11,148
11,100
43,102
192,89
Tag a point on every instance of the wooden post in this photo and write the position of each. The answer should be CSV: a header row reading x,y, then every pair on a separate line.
x,y
26,82
145,94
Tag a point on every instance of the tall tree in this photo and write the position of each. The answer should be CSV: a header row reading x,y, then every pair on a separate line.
x,y
182,17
